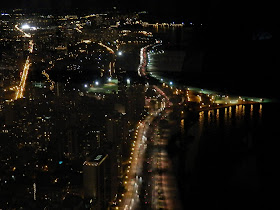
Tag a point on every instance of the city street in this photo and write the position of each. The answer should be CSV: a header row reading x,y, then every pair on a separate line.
x,y
135,169
24,74
150,183
164,186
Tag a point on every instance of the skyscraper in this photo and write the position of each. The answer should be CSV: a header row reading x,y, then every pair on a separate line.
x,y
94,180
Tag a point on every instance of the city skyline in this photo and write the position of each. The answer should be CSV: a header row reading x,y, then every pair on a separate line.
x,y
115,109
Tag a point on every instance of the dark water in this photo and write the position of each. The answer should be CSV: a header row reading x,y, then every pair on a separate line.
x,y
242,67
225,158
230,158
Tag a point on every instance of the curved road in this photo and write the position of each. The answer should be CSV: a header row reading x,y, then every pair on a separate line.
x,y
149,182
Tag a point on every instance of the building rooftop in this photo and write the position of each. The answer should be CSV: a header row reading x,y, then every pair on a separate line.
x,y
95,160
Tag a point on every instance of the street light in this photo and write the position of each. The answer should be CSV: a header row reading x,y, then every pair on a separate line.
x,y
120,53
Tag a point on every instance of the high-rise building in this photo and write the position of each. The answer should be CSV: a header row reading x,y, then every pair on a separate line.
x,y
94,181
9,115
116,135
136,102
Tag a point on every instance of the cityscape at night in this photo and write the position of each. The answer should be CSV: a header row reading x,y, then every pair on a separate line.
x,y
138,105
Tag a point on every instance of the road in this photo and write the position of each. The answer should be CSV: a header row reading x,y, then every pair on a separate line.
x,y
23,32
134,171
142,68
143,61
150,182
21,87
147,186
165,194
159,188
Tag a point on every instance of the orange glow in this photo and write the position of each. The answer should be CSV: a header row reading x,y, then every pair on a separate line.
x,y
21,87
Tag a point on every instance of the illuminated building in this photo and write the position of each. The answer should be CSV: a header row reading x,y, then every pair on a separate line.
x,y
94,181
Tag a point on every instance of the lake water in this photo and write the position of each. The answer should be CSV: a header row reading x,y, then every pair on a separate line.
x,y
190,60
224,158
227,157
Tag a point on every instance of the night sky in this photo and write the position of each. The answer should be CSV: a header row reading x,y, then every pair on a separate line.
x,y
199,9
224,12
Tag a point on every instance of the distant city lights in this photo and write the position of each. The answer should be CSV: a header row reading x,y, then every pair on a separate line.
x,y
25,27
97,137
28,27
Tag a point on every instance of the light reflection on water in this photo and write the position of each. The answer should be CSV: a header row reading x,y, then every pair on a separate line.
x,y
217,116
201,121
182,125
232,152
251,111
260,112
224,131
225,120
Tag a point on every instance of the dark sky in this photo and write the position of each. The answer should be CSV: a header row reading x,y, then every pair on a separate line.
x,y
172,8
80,4
70,3
201,10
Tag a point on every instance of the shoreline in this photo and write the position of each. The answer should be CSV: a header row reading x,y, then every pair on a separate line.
x,y
226,106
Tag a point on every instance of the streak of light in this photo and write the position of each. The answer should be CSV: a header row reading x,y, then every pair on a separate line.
x,y
24,34
21,87
48,79
108,48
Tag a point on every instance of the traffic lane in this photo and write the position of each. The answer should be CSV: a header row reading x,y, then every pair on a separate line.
x,y
135,170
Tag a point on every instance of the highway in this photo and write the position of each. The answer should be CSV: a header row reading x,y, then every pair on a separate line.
x,y
146,185
143,61
150,182
142,68
22,31
21,87
133,178
159,188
